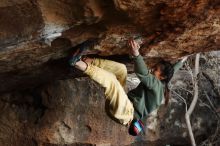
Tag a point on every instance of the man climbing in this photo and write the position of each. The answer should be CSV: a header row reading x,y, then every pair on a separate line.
x,y
129,108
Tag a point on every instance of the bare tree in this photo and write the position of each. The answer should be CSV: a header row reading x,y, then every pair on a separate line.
x,y
195,99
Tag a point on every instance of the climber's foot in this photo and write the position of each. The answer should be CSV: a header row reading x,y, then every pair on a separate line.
x,y
76,56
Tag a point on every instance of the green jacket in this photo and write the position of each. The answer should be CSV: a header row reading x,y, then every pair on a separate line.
x,y
148,95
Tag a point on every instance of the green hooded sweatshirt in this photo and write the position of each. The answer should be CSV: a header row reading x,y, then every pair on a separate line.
x,y
148,95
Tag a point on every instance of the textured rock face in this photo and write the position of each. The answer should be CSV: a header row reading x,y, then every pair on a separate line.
x,y
35,33
64,112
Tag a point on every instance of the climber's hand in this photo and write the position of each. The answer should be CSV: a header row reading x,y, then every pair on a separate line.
x,y
134,47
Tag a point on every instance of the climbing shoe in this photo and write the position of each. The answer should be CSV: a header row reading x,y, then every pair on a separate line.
x,y
76,56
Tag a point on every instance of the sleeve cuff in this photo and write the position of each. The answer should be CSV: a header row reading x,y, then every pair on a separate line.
x,y
137,57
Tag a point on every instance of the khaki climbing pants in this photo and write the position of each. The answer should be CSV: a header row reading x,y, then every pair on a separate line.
x,y
112,76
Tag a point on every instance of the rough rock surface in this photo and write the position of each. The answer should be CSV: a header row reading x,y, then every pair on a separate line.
x,y
63,112
36,34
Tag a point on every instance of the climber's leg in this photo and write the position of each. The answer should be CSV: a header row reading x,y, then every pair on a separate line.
x,y
120,106
118,69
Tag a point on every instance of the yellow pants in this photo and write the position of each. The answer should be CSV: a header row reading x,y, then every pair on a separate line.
x,y
112,76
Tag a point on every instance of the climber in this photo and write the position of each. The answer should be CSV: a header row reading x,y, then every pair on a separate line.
x,y
129,108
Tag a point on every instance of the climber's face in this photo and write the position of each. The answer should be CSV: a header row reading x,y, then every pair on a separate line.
x,y
157,72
